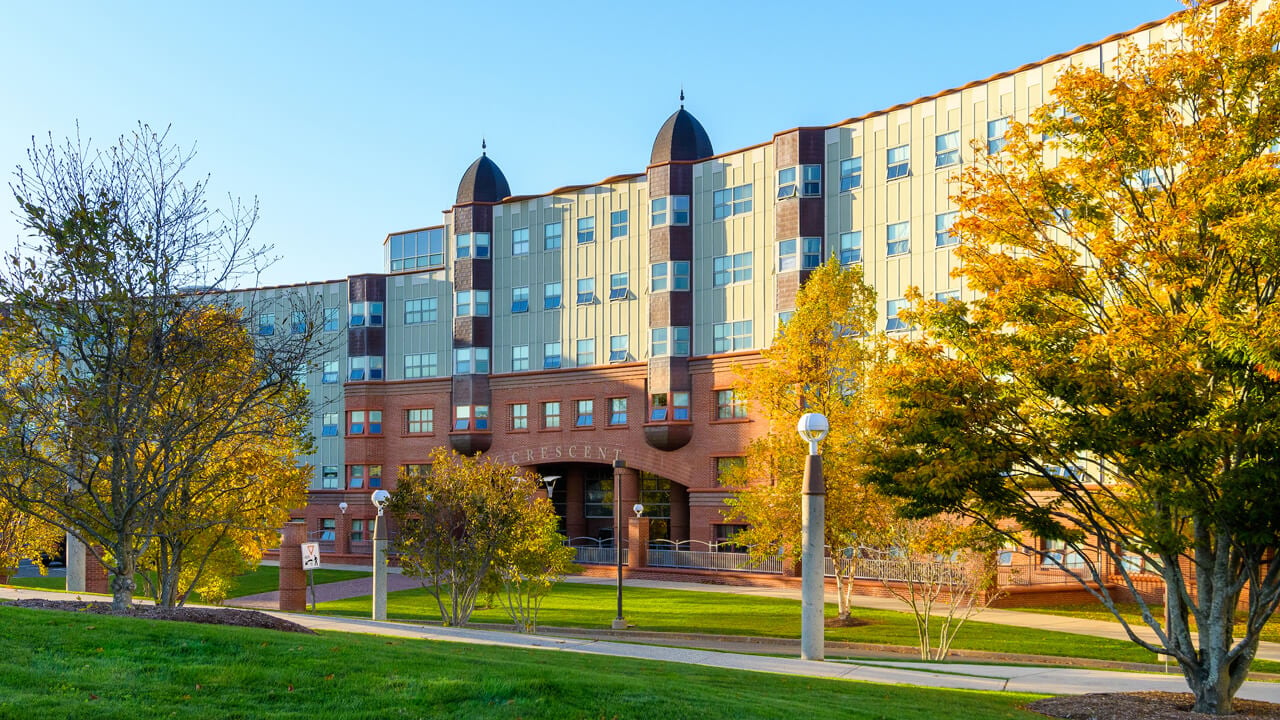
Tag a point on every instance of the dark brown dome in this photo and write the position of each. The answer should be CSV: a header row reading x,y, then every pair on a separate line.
x,y
681,138
483,182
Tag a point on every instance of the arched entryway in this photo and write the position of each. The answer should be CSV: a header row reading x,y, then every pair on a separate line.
x,y
583,497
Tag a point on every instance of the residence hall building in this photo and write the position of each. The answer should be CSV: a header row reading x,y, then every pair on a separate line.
x,y
594,326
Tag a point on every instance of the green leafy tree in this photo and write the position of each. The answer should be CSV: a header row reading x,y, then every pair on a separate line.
x,y
1117,384
819,362
526,570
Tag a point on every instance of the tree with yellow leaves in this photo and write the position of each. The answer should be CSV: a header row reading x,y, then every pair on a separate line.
x,y
23,537
1116,385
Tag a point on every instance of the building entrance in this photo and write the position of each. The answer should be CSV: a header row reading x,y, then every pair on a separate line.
x,y
584,500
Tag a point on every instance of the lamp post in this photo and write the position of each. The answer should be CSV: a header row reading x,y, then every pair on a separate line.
x,y
619,623
380,498
813,428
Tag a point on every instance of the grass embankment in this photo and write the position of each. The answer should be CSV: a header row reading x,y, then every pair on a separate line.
x,y
64,665
265,579
594,606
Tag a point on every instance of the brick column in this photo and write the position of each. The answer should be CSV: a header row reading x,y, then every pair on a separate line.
x,y
629,490
293,579
638,542
575,519
679,512
342,534
96,577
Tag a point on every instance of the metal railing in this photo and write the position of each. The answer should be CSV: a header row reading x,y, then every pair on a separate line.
x,y
711,556
592,551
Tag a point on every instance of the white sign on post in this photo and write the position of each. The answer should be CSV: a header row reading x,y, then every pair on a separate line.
x,y
310,556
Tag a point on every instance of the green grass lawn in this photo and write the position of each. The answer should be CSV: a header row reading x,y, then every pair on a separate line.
x,y
1131,613
66,665
265,579
594,606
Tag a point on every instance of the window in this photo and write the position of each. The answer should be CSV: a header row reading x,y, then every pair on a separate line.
x,y
617,348
363,313
520,299
267,324
519,358
898,162
551,296
370,366
1056,552
357,531
618,411
520,241
946,149
995,135
730,405
329,474
551,415
788,249
618,286
471,303
586,230
891,309
586,413
420,365
470,360
550,355
331,320
942,223
473,245
617,224
365,422
329,375
355,477
355,422
805,180
329,425
731,201
422,310
471,417
552,236
375,476
729,269
850,174
898,236
597,501
669,341
851,247
731,336
586,291
327,528
419,420
675,404
947,296
787,183
297,322
422,248
670,210
672,275
520,416
586,354
727,465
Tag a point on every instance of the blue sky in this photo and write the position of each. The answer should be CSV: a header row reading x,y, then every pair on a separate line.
x,y
351,120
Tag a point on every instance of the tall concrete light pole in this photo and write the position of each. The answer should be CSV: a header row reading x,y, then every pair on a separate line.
x,y
380,498
813,428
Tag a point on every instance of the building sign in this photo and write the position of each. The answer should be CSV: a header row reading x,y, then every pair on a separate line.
x,y
579,452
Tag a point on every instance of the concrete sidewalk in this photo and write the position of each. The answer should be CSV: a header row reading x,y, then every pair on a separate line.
x,y
1038,680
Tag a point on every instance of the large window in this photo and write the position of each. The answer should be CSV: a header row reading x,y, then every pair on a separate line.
x,y
331,320
618,286
668,406
670,210
898,162
364,422
468,303
297,322
618,411
586,354
552,236
597,501
1057,554
586,230
419,420
267,324
730,405
519,358
423,248
799,252
420,365
947,296
729,269
731,201
366,313
520,416
551,415
471,417
804,180
329,479
851,247
942,235
551,293
520,299
898,238
673,275
946,149
586,291
850,174
730,336
520,241
669,341
329,425
472,245
366,368
617,224
586,414
422,310
618,348
892,322
550,355
995,134
329,372
470,360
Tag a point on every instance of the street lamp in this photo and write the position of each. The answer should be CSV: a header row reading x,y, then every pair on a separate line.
x,y
813,428
619,623
380,498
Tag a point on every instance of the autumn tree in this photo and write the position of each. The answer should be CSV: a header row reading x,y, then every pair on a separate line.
x,y
120,381
24,537
465,518
1116,385
525,571
819,362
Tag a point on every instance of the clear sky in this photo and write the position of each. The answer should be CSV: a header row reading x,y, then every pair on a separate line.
x,y
351,120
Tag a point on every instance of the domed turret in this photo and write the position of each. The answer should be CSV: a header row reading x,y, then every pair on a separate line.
x,y
483,181
681,138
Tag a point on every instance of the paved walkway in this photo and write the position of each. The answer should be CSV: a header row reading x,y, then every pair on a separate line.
x,y
1039,680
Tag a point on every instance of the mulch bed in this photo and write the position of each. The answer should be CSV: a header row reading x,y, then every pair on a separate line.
x,y
208,616
1144,706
